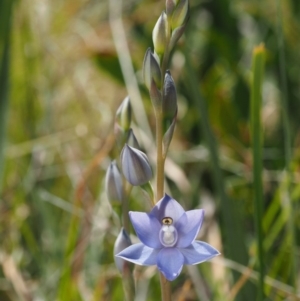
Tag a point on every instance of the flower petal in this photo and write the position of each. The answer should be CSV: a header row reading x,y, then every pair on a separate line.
x,y
198,252
167,207
147,228
188,227
139,254
170,262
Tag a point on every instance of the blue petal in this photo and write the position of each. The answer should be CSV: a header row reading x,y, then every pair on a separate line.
x,y
170,262
188,227
139,254
198,252
147,228
168,207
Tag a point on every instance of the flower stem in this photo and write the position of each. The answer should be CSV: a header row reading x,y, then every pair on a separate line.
x,y
159,157
160,167
128,282
125,214
160,162
127,276
165,288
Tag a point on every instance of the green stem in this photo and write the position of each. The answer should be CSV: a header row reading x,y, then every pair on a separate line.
x,y
127,275
165,288
256,135
160,163
125,214
159,158
287,143
128,282
125,207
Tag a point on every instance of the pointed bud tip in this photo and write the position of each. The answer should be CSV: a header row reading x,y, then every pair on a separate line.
x,y
180,14
151,69
160,34
123,114
169,96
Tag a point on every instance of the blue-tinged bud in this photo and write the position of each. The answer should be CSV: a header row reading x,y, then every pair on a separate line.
x,y
135,166
168,137
176,34
131,140
170,5
155,96
122,242
113,183
169,97
180,14
151,70
160,34
123,114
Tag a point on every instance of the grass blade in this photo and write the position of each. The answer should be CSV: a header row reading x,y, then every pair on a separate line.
x,y
287,142
256,135
233,231
5,25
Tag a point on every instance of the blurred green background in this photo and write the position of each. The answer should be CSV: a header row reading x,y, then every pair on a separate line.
x,y
60,84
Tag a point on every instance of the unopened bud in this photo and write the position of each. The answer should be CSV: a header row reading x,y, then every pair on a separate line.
x,y
123,114
168,137
160,34
131,140
135,166
169,97
113,183
151,70
122,242
155,95
180,14
176,34
170,5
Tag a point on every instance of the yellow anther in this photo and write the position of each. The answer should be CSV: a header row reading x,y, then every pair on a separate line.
x,y
167,221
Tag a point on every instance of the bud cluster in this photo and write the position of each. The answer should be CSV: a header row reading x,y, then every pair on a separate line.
x,y
167,30
131,168
134,164
170,26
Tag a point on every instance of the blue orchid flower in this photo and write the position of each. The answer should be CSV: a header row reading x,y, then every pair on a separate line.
x,y
167,236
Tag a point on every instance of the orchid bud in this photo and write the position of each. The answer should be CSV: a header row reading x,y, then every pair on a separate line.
x,y
131,140
123,115
170,5
155,95
122,242
113,183
135,166
160,34
169,97
180,14
151,70
176,34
